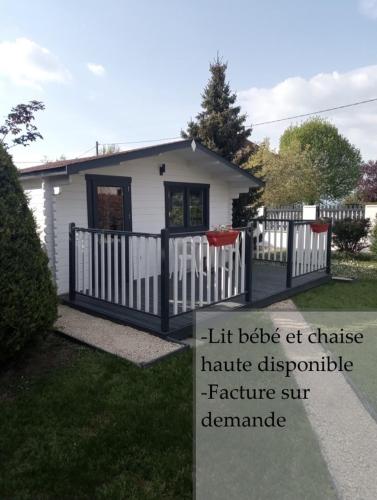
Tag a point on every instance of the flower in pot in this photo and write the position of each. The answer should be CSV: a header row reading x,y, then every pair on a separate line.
x,y
320,225
222,235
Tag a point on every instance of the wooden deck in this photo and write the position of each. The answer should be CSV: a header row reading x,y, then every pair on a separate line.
x,y
269,286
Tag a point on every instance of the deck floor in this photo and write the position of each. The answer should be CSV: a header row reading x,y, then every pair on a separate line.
x,y
268,286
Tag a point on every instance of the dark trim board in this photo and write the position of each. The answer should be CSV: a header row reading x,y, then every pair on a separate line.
x,y
129,317
181,327
290,292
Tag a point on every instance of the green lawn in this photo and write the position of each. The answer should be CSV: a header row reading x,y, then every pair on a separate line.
x,y
358,295
97,427
76,423
276,463
348,296
363,266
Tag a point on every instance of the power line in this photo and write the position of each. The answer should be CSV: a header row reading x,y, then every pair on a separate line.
x,y
36,162
314,112
303,115
86,152
269,122
139,142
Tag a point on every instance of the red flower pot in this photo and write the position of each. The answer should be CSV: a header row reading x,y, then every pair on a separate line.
x,y
319,227
221,238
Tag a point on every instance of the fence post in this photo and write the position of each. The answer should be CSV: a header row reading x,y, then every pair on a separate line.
x,y
164,282
261,211
290,252
328,249
310,212
72,262
248,262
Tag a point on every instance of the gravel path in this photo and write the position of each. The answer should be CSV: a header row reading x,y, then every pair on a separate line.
x,y
135,345
346,431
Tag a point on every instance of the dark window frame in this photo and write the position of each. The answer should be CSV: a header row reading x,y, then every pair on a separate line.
x,y
93,181
186,186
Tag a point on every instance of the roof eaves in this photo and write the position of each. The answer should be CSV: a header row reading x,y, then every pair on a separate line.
x,y
46,172
233,166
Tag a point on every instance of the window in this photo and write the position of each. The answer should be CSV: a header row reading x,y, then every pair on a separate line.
x,y
186,206
110,213
109,202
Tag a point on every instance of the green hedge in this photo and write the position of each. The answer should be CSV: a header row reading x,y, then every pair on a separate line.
x,y
28,302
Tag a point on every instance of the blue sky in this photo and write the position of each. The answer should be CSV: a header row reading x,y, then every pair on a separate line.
x,y
149,62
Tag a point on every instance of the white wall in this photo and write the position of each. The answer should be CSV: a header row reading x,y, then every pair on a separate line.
x,y
147,198
35,197
69,206
371,212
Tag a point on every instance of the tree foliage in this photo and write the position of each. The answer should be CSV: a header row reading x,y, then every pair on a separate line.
x,y
367,188
220,125
107,149
27,295
290,176
19,125
336,159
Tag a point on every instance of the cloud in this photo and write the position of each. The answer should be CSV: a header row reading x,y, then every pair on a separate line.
x,y
24,62
369,8
297,95
96,69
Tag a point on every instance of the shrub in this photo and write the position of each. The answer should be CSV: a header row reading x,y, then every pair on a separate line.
x,y
350,235
373,238
28,302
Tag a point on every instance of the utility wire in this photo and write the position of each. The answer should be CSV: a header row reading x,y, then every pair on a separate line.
x,y
269,122
36,162
314,112
139,142
86,152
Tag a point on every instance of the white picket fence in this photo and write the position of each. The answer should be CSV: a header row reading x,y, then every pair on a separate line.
x,y
341,212
118,268
270,240
125,269
287,212
309,251
201,275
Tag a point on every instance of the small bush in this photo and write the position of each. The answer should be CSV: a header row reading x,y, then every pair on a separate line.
x,y
28,302
350,236
373,239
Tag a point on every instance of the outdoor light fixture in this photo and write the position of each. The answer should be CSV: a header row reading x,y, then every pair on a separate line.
x,y
162,168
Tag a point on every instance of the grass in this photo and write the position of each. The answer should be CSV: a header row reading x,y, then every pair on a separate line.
x,y
278,463
77,423
358,295
98,427
362,266
340,296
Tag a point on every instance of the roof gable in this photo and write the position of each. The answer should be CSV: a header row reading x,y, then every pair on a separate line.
x,y
73,166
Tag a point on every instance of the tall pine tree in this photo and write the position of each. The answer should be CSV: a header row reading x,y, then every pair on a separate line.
x,y
221,127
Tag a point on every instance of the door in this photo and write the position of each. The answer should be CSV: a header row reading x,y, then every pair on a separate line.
x,y
109,208
109,202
